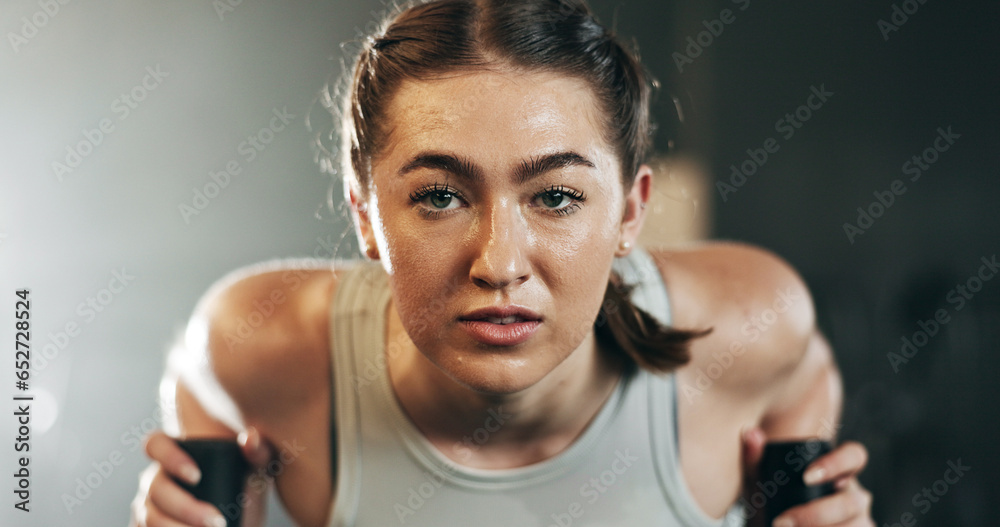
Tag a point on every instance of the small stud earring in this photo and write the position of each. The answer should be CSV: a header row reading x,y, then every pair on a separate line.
x,y
624,246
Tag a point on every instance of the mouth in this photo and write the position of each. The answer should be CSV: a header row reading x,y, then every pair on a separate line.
x,y
503,321
502,315
501,326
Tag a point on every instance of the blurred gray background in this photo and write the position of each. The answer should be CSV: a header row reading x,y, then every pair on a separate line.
x,y
179,87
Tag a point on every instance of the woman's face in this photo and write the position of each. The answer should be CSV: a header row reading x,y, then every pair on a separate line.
x,y
497,208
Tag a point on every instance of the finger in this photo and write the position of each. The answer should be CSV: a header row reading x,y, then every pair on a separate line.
x,y
255,507
753,440
144,513
257,450
847,459
155,518
170,500
849,505
173,459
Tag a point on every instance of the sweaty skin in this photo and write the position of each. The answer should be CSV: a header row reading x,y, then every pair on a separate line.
x,y
458,228
496,243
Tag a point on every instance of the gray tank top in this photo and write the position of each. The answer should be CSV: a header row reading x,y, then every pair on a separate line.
x,y
622,471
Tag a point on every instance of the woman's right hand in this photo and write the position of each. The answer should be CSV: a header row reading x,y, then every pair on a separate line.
x,y
161,502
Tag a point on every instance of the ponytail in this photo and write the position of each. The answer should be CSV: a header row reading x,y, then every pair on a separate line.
x,y
635,335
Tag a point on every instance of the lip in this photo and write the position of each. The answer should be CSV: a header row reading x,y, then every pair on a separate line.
x,y
486,332
502,312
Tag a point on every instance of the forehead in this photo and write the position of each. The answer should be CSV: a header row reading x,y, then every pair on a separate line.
x,y
498,114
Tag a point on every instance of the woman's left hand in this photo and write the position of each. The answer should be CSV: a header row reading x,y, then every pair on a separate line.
x,y
850,506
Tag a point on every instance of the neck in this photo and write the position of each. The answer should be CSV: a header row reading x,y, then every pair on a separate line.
x,y
500,430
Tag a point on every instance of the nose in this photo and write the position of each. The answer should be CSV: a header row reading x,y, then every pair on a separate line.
x,y
502,243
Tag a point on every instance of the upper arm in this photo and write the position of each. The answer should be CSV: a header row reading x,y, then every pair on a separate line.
x,y
256,354
762,364
810,403
266,342
761,315
254,345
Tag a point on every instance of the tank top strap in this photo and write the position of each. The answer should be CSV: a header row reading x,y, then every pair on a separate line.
x,y
357,320
650,293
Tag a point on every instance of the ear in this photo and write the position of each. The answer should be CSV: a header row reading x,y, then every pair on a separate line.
x,y
362,223
635,209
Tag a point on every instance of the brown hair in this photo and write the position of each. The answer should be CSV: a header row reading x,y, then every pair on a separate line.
x,y
561,36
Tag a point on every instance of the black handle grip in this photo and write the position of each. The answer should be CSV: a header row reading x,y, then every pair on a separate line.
x,y
224,471
780,475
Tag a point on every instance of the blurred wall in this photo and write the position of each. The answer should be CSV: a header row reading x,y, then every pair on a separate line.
x,y
180,131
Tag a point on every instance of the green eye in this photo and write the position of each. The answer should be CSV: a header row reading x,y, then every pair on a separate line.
x,y
560,200
435,200
553,199
440,200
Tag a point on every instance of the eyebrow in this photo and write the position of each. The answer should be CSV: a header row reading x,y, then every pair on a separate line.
x,y
464,168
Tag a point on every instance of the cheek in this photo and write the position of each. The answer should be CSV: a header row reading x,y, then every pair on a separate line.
x,y
580,252
576,275
423,270
579,289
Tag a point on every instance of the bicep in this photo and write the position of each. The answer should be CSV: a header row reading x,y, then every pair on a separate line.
x,y
810,399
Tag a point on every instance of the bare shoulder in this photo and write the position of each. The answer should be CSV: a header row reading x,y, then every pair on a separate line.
x,y
759,309
258,355
762,322
261,335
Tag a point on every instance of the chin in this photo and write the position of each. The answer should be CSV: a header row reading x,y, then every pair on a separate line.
x,y
490,374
